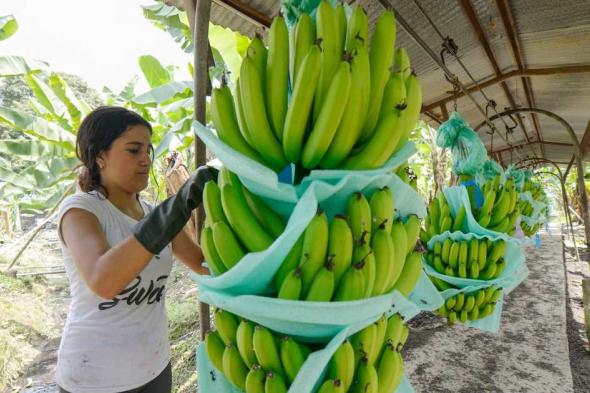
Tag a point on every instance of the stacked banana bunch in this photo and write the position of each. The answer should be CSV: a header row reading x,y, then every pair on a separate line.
x,y
352,103
500,209
439,219
370,360
361,255
526,208
237,222
253,358
530,230
477,259
470,307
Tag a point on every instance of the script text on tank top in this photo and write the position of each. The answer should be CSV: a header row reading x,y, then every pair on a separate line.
x,y
136,295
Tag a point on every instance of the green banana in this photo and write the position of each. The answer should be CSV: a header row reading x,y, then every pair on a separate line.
x,y
364,343
501,207
482,255
411,114
255,379
497,251
326,124
469,303
394,96
384,251
322,286
270,220
446,250
329,34
342,365
440,284
359,216
393,333
258,53
356,107
225,120
352,286
454,255
290,263
500,266
227,245
381,59
210,252
379,147
452,318
367,379
474,271
357,33
382,208
401,63
241,117
480,297
463,252
227,326
369,271
460,301
212,202
242,220
331,386
266,351
291,286
488,203
340,246
292,358
244,335
400,245
438,265
375,353
304,37
300,105
450,303
412,227
265,141
473,250
342,25
277,75
489,272
459,219
315,247
389,370
410,273
215,347
233,367
274,383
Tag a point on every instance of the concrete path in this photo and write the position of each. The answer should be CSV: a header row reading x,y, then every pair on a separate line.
x,y
529,354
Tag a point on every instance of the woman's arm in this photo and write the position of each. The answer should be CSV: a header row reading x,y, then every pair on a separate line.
x,y
189,253
106,270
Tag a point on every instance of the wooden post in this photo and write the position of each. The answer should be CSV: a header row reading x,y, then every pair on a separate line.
x,y
6,225
200,10
586,305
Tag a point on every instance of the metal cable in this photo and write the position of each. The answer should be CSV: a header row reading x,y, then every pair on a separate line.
x,y
454,54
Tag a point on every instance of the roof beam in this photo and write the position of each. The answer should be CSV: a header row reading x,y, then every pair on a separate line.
x,y
584,146
433,117
247,11
509,25
470,13
444,111
508,75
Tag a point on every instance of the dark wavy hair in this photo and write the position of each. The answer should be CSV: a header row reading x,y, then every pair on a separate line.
x,y
98,131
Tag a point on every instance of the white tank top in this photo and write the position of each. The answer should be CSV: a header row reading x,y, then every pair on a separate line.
x,y
113,345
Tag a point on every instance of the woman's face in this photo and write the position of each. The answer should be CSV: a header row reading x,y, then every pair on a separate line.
x,y
126,165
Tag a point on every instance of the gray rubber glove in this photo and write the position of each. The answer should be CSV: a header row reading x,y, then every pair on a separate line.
x,y
165,221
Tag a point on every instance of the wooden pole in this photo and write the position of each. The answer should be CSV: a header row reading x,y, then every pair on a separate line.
x,y
201,15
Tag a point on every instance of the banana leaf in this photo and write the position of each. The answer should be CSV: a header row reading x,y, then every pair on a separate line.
x,y
8,26
155,74
17,65
38,127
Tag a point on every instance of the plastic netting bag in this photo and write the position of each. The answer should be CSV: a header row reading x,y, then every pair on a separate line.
x,y
310,375
467,150
283,197
456,197
513,275
491,323
489,170
293,9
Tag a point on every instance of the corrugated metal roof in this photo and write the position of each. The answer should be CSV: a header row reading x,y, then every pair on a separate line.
x,y
551,33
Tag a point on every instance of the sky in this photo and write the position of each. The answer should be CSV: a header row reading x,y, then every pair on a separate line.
x,y
98,40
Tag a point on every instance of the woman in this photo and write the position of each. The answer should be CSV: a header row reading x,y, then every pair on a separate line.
x,y
118,254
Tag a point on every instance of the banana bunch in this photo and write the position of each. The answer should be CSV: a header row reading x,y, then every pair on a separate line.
x,y
237,222
477,259
370,360
439,218
470,307
526,209
500,210
322,95
359,255
253,358
530,230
